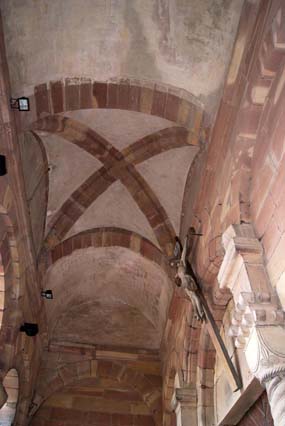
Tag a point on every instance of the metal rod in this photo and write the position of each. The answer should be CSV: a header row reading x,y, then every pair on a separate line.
x,y
216,338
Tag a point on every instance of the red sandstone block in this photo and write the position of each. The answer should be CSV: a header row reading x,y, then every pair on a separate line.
x,y
215,248
149,251
122,396
39,422
261,186
123,95
104,368
172,107
42,100
72,86
278,140
260,153
278,25
67,247
107,238
265,118
175,306
70,416
86,240
55,384
248,119
100,94
125,239
44,413
271,58
215,219
206,359
257,80
85,94
56,89
56,253
112,98
158,103
277,189
271,237
134,98
71,209
96,239
275,114
102,419
129,376
122,419
83,368
67,374
262,217
116,371
76,242
280,214
62,226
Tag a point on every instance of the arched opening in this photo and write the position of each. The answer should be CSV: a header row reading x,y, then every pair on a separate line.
x,y
11,386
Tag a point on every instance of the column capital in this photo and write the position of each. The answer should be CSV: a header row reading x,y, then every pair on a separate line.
x,y
265,352
184,396
257,321
184,403
244,274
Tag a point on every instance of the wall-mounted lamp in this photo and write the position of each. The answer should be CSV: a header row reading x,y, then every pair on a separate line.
x,y
30,329
3,169
47,294
21,104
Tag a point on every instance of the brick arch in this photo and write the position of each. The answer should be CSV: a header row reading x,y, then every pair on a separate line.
x,y
105,237
115,167
46,175
70,374
165,101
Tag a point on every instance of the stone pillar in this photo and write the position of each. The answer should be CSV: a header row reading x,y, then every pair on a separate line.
x,y
258,321
184,403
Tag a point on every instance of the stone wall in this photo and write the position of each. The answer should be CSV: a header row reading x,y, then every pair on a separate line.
x,y
22,299
242,179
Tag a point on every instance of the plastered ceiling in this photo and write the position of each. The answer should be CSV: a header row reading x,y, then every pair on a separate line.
x,y
106,189
185,43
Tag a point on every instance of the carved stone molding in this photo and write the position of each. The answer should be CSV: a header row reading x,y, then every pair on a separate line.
x,y
244,273
265,355
258,321
184,403
265,352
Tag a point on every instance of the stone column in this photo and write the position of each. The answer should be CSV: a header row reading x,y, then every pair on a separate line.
x,y
258,321
184,403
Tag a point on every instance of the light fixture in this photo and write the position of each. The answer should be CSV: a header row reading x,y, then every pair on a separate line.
x,y
30,329
3,169
47,294
21,104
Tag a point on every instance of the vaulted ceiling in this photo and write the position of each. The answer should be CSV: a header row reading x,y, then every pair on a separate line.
x,y
120,95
